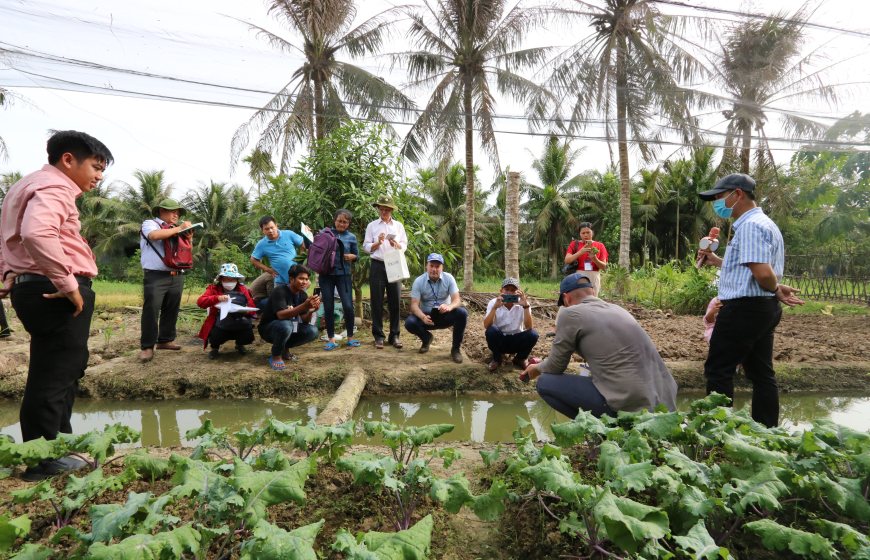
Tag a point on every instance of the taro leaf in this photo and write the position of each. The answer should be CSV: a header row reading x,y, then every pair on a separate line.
x,y
346,544
584,427
667,481
779,537
691,471
109,520
41,491
32,551
101,445
448,455
395,436
862,463
710,402
282,431
700,544
368,468
12,529
630,524
490,506
490,457
553,475
209,438
30,452
273,543
637,447
169,544
272,459
763,489
247,439
841,436
851,539
411,544
844,493
572,525
862,554
262,489
453,492
427,434
610,458
696,503
744,452
551,451
155,517
660,426
147,464
636,477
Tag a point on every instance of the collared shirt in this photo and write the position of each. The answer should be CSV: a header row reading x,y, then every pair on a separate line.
x,y
151,250
508,321
374,230
756,240
40,232
432,294
281,253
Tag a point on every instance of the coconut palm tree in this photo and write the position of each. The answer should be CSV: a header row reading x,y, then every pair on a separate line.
x,y
760,66
223,211
6,181
323,90
549,206
629,68
464,47
261,167
4,100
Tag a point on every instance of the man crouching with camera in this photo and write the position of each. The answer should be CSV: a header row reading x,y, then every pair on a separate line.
x,y
508,324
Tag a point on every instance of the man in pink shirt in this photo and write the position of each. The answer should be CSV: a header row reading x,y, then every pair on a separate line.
x,y
48,266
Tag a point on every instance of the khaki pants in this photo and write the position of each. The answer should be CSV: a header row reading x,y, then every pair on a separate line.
x,y
595,277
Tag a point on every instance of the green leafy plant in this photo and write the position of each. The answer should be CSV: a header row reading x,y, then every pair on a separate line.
x,y
94,447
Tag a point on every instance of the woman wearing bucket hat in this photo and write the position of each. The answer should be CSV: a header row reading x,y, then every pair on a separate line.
x,y
236,326
380,234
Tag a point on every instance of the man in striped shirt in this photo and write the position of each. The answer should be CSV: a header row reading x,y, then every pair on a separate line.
x,y
750,292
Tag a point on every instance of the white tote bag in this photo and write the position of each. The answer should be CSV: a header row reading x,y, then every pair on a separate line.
x,y
396,265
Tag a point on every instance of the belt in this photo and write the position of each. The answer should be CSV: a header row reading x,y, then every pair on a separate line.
x,y
23,278
751,299
167,272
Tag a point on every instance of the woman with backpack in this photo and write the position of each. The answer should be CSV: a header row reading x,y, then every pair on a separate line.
x,y
587,256
237,326
339,278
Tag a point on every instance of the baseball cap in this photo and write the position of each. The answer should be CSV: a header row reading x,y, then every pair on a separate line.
x,y
573,282
729,183
511,281
435,257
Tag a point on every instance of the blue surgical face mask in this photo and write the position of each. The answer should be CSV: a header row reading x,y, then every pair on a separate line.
x,y
721,209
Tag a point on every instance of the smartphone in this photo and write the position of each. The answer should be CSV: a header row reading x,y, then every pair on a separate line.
x,y
317,291
588,242
391,236
510,298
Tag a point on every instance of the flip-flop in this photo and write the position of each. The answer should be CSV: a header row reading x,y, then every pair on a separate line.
x,y
330,346
277,365
353,343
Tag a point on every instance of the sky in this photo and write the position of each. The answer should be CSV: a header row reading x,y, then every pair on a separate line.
x,y
155,118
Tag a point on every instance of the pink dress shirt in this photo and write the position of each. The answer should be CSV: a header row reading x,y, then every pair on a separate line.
x,y
40,232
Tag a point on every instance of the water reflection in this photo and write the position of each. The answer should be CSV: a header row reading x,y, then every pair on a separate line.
x,y
476,418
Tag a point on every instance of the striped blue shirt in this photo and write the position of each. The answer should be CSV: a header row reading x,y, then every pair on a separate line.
x,y
756,240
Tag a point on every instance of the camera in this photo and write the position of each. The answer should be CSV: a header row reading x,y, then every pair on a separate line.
x,y
510,298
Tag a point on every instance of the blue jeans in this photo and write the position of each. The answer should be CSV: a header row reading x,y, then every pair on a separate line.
x,y
280,333
455,318
328,285
568,393
520,343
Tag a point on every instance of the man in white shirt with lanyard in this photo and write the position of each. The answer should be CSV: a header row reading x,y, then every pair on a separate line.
x,y
384,234
508,324
435,304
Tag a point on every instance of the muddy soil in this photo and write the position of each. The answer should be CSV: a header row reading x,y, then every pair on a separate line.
x,y
812,352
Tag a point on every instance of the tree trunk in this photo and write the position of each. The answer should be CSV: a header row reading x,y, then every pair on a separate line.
x,y
622,140
318,109
677,236
512,226
747,146
468,252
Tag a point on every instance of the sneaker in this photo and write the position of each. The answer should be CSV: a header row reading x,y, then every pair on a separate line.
x,y
456,356
52,467
213,353
425,346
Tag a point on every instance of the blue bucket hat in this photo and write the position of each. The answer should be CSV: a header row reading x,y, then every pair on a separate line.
x,y
229,270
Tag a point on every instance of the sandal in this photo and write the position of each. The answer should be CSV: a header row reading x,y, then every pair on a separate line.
x,y
277,365
330,346
353,343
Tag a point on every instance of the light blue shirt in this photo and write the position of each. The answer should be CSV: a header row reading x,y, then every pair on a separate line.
x,y
756,240
151,259
432,294
281,253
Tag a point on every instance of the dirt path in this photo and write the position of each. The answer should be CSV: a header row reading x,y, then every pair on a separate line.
x,y
812,352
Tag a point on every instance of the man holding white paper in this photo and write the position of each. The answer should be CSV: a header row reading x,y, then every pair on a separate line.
x,y
382,235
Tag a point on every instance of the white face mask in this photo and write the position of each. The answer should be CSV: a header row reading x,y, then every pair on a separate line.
x,y
229,286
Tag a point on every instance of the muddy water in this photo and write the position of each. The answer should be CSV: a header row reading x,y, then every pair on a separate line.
x,y
477,418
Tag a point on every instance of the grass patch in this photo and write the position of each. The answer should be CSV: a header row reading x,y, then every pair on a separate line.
x,y
113,295
827,308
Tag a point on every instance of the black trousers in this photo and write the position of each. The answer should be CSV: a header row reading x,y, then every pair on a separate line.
x,y
217,336
744,335
377,285
58,356
162,299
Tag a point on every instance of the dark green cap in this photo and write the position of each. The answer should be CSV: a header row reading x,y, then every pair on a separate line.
x,y
168,204
385,200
